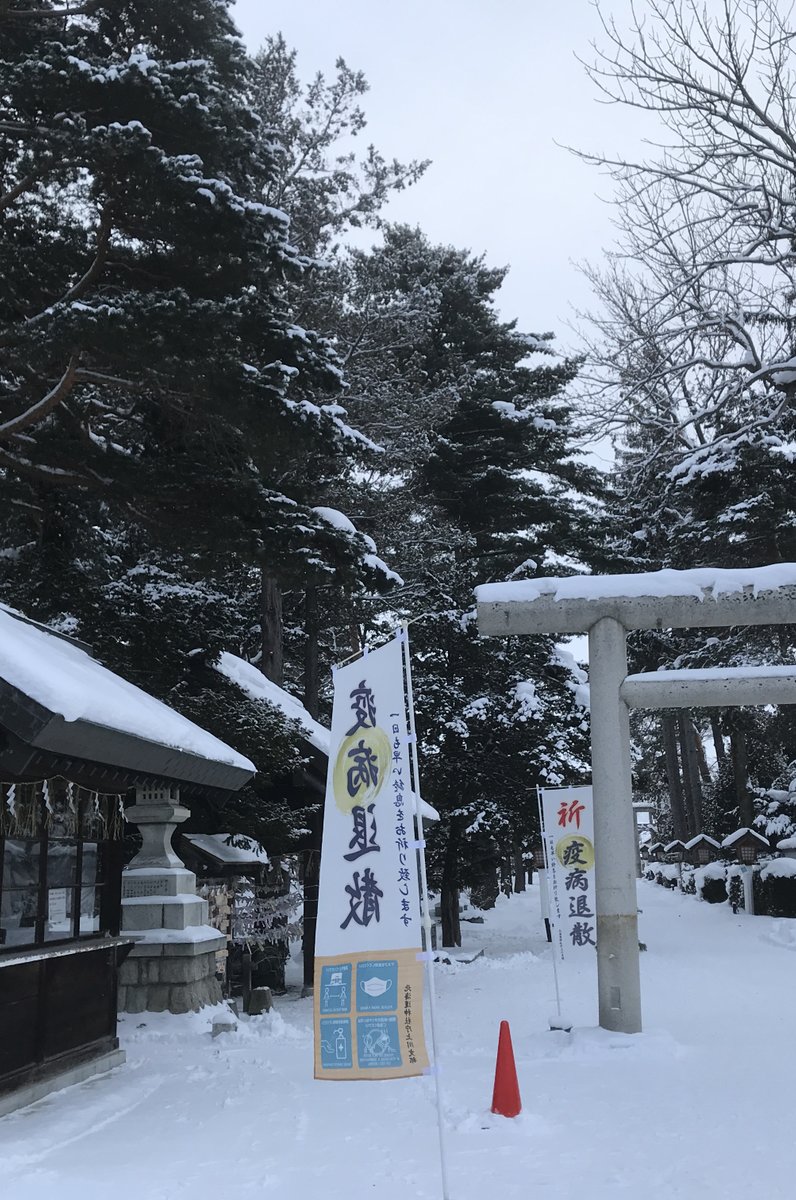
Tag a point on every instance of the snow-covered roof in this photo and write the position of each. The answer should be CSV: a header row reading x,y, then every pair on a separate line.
x,y
63,679
732,838
702,837
674,845
219,847
698,582
259,687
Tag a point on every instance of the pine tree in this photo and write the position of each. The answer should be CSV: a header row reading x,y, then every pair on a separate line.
x,y
148,353
478,479
189,423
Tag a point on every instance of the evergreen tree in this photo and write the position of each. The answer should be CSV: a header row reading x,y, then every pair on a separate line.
x,y
478,480
167,425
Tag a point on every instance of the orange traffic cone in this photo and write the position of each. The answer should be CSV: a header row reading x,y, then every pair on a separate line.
x,y
506,1095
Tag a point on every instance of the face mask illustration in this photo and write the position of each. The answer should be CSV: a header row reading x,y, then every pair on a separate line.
x,y
375,986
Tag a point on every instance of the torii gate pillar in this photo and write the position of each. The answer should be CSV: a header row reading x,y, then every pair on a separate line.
x,y
606,607
618,984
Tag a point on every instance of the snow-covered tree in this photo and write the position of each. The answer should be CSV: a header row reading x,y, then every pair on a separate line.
x,y
146,343
166,424
707,226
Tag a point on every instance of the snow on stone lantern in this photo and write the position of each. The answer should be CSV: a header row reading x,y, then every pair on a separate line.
x,y
701,850
745,845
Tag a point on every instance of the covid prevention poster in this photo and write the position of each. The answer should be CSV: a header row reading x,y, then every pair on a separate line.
x,y
568,821
368,988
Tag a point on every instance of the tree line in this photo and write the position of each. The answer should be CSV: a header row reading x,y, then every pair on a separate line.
x,y
224,427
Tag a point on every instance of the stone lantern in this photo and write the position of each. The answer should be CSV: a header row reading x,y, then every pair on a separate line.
x,y
173,963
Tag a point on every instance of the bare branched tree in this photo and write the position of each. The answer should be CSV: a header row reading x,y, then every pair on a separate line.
x,y
696,340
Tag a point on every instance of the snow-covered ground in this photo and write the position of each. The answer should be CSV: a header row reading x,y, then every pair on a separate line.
x,y
699,1106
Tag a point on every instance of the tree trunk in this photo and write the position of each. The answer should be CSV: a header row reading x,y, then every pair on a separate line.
x,y
519,869
312,875
487,872
704,769
718,740
740,770
272,661
505,874
449,894
693,786
311,671
669,730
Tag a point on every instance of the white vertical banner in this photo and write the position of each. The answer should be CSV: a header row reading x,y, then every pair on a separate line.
x,y
368,978
568,834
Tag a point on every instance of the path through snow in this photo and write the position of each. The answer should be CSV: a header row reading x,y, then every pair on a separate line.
x,y
698,1106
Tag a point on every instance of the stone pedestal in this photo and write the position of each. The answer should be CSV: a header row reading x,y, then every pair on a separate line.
x,y
173,963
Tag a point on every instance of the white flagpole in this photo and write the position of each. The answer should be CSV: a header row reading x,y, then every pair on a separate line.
x,y
557,930
443,1160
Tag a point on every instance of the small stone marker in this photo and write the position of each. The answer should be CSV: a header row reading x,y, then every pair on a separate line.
x,y
224,1023
260,1001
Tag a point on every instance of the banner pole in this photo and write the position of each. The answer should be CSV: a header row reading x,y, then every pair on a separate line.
x,y
443,1158
557,930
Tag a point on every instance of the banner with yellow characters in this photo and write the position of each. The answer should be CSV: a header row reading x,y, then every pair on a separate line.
x,y
568,820
368,978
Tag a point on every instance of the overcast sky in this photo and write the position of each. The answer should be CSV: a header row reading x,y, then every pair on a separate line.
x,y
484,88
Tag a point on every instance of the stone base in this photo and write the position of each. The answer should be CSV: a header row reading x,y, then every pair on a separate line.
x,y
161,984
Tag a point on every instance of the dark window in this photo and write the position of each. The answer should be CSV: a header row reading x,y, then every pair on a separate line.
x,y
59,863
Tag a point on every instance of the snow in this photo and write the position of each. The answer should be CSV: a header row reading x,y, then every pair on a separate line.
x,y
191,934
222,849
668,871
580,680
64,679
508,409
699,582
333,517
714,870
725,673
378,564
695,1107
256,685
780,868
339,521
732,838
525,696
787,844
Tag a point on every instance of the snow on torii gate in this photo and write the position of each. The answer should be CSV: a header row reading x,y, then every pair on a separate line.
x,y
606,607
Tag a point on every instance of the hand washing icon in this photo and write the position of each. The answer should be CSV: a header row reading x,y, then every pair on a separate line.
x,y
375,986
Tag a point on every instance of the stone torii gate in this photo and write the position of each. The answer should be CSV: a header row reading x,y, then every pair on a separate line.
x,y
606,607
